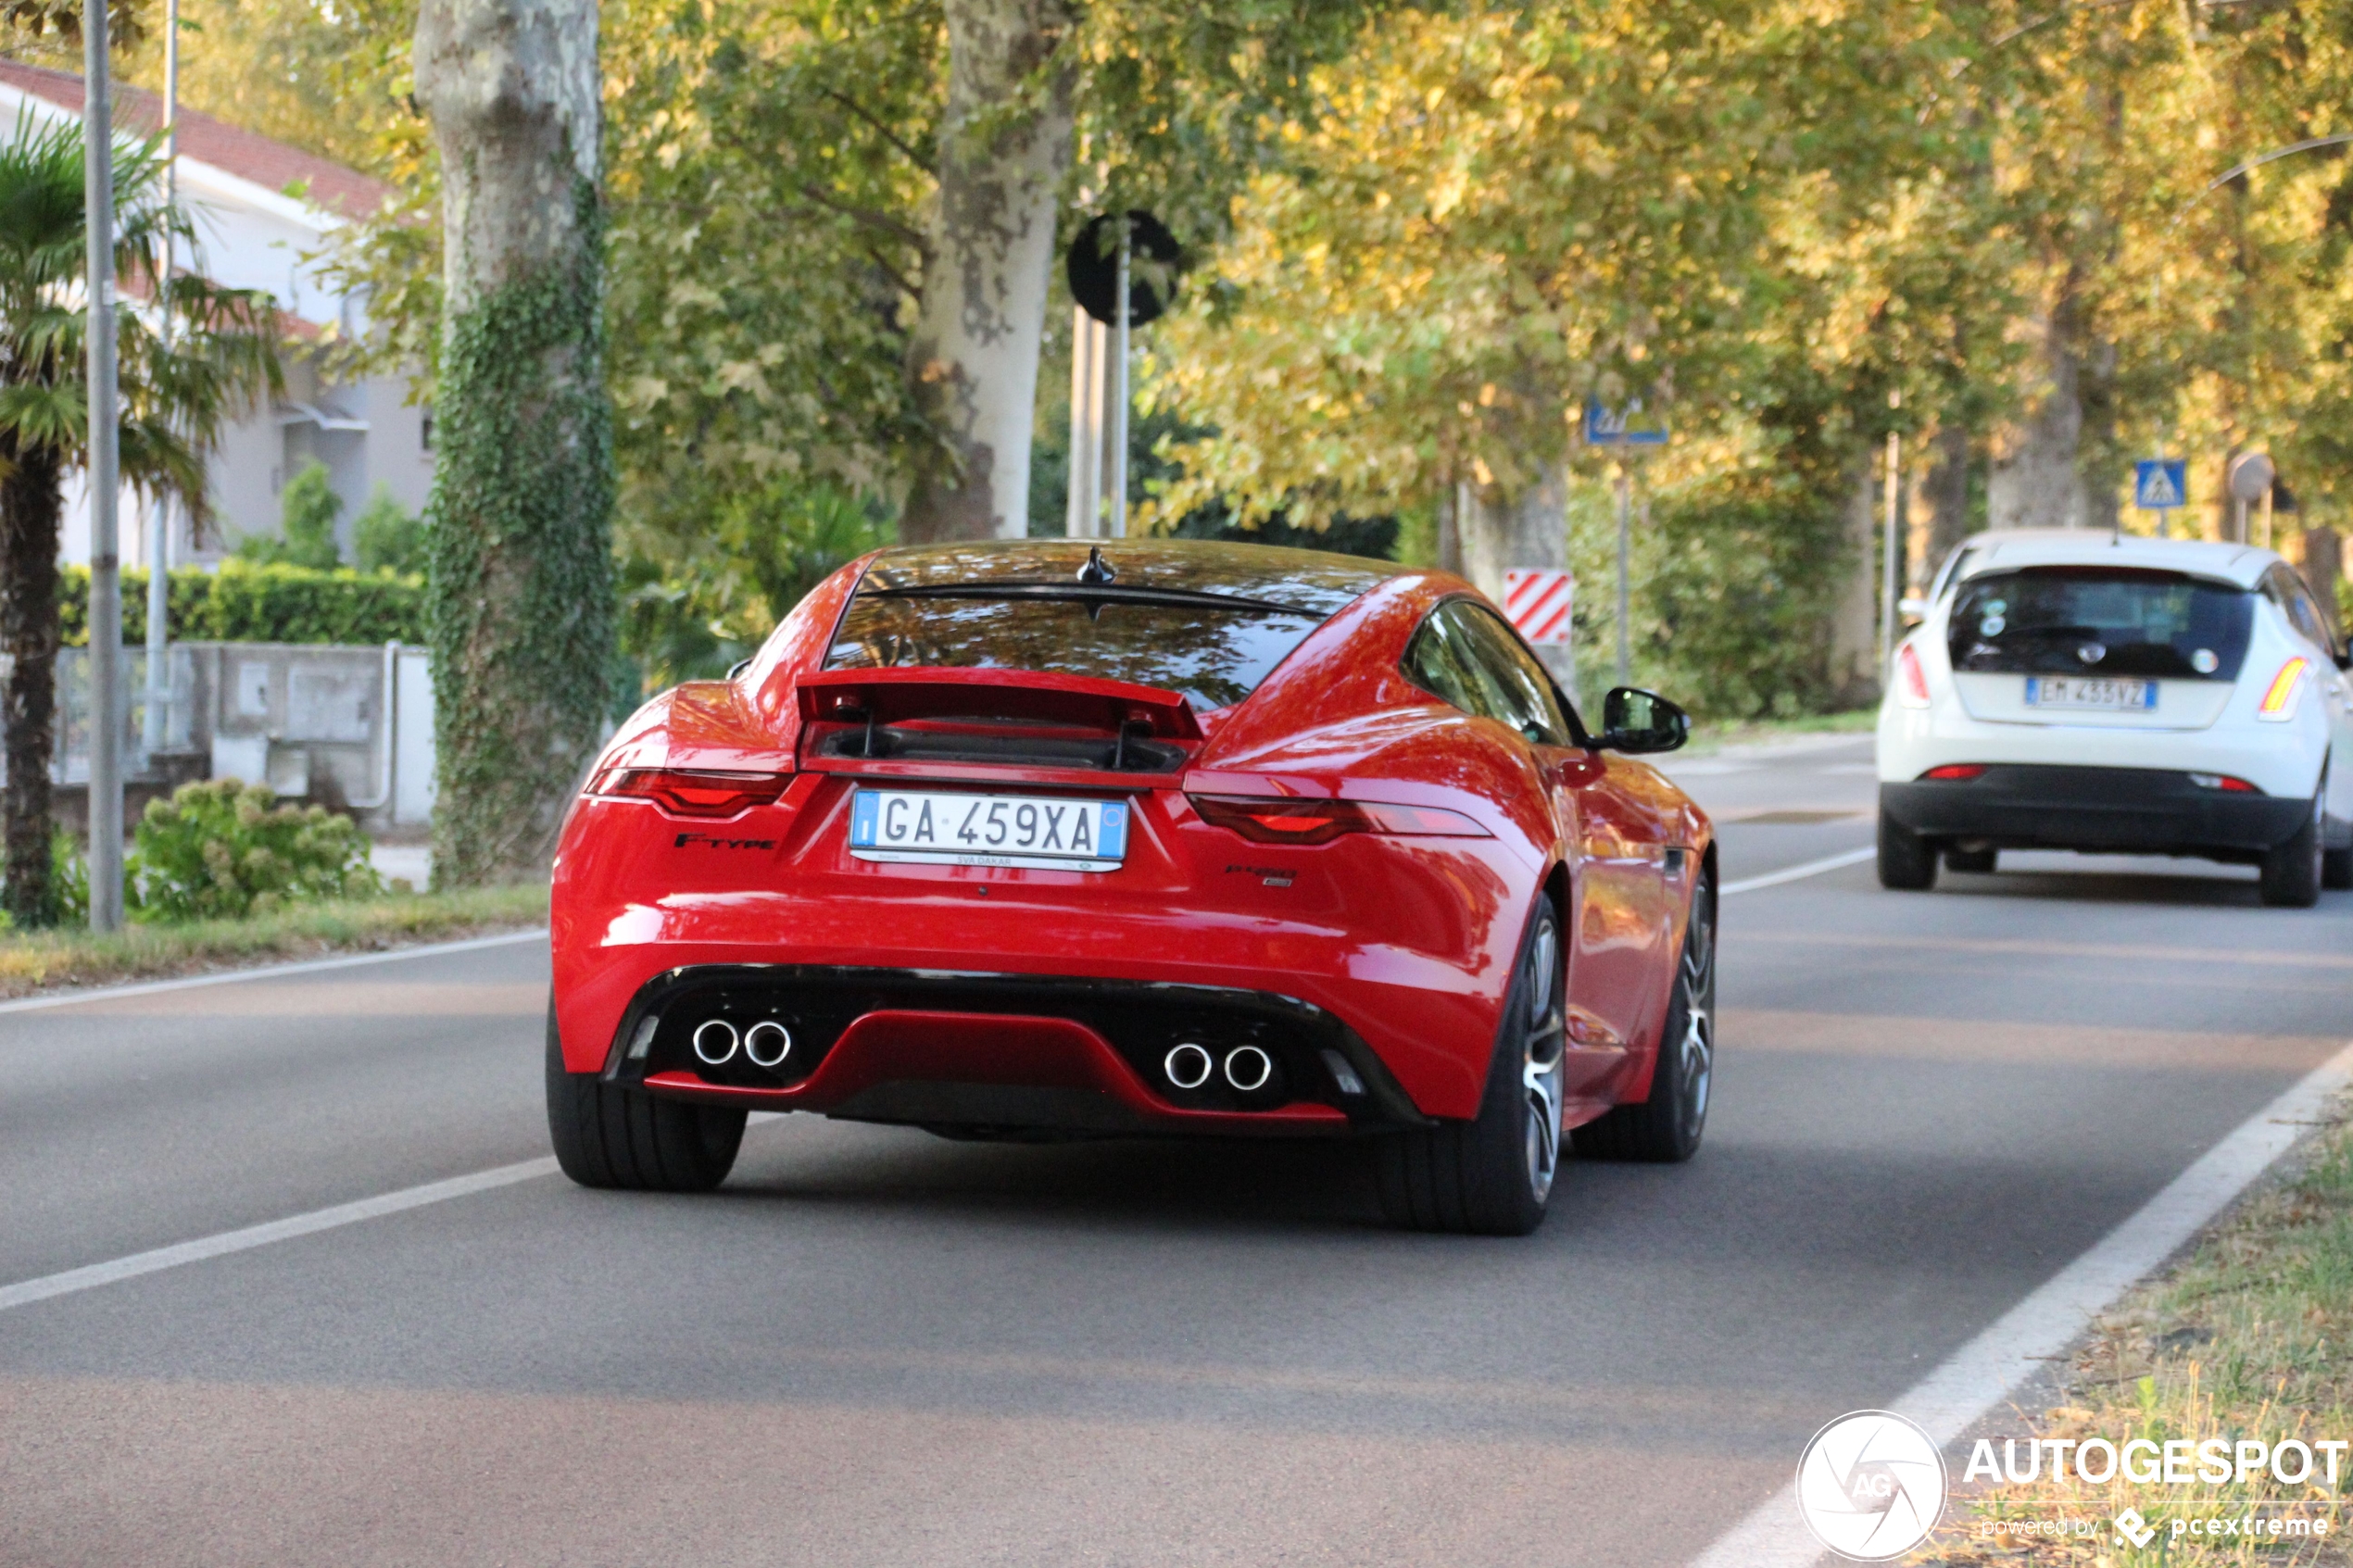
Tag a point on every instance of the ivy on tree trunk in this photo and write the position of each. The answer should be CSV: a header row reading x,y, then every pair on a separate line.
x,y
1004,145
518,559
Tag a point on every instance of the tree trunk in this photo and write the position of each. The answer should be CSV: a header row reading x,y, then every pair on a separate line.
x,y
1947,491
1004,145
30,504
2035,481
519,574
1494,533
1855,673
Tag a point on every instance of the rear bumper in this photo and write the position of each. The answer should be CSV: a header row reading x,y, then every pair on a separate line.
x,y
1005,1052
2132,811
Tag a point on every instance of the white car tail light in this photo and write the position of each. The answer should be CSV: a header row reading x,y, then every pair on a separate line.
x,y
2279,698
1911,681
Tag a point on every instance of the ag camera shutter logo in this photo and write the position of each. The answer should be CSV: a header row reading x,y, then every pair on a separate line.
x,y
1871,1486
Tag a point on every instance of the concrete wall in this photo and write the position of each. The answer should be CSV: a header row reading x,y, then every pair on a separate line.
x,y
349,727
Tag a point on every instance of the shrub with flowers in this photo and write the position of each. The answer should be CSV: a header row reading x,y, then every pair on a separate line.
x,y
224,849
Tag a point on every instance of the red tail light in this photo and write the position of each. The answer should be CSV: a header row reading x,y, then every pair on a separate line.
x,y
682,792
1956,771
2224,783
1319,821
1911,681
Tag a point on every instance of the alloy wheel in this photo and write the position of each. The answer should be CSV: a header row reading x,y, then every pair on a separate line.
x,y
1543,1071
1696,1051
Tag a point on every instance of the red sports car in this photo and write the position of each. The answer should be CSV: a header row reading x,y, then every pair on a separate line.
x,y
1034,839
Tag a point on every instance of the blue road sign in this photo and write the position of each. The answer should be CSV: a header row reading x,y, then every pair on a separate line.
x,y
2160,484
1621,427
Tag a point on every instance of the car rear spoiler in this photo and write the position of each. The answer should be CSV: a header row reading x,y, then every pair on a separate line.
x,y
878,714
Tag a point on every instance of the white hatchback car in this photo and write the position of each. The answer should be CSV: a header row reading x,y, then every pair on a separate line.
x,y
2077,690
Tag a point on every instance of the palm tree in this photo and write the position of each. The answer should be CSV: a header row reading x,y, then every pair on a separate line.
x,y
222,355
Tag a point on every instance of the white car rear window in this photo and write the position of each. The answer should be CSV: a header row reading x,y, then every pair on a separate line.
x,y
2107,620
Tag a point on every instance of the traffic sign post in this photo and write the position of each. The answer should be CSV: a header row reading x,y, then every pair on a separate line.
x,y
1542,603
1627,431
2160,484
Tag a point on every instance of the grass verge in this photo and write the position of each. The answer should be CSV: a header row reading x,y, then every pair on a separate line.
x,y
2250,1337
49,960
1716,738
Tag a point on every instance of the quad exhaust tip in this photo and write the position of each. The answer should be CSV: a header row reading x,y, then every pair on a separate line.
x,y
767,1043
715,1042
1188,1066
1247,1068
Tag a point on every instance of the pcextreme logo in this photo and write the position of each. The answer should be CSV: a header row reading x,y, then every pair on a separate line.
x,y
1871,1486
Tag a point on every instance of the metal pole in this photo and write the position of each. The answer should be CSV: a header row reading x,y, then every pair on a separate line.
x,y
104,472
1082,518
1892,548
155,732
1119,403
2238,535
1625,548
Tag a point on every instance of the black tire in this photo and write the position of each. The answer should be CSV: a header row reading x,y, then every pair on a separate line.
x,y
1906,861
610,1137
1495,1174
2336,868
1980,861
1665,1128
2291,875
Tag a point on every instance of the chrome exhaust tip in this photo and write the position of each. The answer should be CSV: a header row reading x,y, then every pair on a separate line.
x,y
714,1041
767,1043
1188,1066
1247,1068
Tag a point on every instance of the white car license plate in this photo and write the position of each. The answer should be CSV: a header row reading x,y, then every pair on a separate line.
x,y
2075,690
1055,832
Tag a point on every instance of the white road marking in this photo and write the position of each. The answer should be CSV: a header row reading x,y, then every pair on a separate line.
x,y
72,1280
1985,1372
270,971
1797,872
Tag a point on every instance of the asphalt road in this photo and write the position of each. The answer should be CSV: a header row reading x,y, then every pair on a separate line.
x,y
873,1346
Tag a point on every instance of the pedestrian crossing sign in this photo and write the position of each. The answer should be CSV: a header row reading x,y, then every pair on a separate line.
x,y
2160,484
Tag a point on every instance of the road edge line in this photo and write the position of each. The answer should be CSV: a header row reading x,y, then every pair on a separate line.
x,y
2016,1345
71,1281
265,971
1794,873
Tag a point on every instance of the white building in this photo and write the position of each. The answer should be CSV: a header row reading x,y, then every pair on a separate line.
x,y
260,207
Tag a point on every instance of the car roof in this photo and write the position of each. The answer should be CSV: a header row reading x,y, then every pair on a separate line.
x,y
1315,582
2242,566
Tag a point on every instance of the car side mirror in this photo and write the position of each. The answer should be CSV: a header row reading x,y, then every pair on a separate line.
x,y
1637,722
1912,608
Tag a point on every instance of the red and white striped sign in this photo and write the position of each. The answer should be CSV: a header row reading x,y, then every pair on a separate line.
x,y
1539,601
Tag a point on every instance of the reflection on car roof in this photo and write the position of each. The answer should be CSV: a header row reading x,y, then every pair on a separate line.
x,y
1315,582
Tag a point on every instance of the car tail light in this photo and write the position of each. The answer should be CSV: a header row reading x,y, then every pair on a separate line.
x,y
1956,771
692,793
2224,783
1319,821
1911,681
2279,698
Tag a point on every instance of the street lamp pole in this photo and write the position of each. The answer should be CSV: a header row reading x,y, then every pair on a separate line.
x,y
1893,546
1625,548
155,734
104,472
1119,396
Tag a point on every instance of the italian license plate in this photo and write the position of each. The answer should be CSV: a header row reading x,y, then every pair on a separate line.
x,y
955,829
2076,691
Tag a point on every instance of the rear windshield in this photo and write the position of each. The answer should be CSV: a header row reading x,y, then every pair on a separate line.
x,y
1209,620
2100,620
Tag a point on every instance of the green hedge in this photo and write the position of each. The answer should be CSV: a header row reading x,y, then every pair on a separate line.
x,y
245,603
